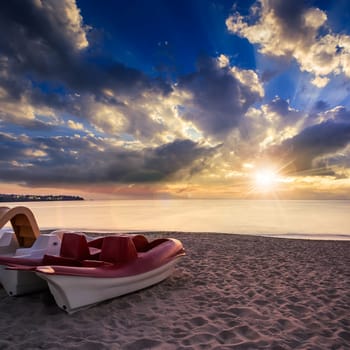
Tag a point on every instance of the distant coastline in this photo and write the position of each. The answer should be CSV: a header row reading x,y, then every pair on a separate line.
x,y
37,198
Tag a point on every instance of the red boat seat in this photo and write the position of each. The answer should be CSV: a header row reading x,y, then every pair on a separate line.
x,y
96,243
74,250
75,246
118,249
140,242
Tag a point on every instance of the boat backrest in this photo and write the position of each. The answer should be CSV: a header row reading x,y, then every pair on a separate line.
x,y
118,249
8,242
140,242
96,243
74,246
6,238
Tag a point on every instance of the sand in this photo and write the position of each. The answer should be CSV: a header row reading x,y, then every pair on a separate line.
x,y
229,292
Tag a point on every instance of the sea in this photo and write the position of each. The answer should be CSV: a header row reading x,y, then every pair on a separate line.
x,y
307,219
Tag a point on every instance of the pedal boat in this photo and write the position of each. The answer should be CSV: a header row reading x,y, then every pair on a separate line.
x,y
22,282
110,267
23,242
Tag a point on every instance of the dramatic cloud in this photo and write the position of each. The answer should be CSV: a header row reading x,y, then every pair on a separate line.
x,y
67,160
290,29
74,111
307,150
219,95
47,72
48,40
264,128
41,34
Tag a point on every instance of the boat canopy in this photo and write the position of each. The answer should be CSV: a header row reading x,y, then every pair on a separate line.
x,y
23,223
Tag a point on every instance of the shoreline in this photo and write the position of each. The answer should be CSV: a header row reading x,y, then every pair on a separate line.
x,y
298,236
229,292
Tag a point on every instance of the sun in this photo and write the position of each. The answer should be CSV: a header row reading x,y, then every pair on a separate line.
x,y
265,179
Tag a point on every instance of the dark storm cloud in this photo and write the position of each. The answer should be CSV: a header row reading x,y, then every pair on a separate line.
x,y
289,12
316,141
160,163
39,41
52,99
10,148
35,39
281,107
219,98
14,86
77,160
320,106
171,157
39,23
290,16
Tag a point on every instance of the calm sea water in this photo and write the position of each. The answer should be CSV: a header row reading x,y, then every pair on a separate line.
x,y
287,218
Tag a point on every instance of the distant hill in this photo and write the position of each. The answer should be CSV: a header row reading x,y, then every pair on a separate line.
x,y
37,198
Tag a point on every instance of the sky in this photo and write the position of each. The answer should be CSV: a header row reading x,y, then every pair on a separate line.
x,y
175,99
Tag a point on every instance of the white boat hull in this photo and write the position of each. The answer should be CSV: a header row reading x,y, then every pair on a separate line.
x,y
20,282
16,282
73,293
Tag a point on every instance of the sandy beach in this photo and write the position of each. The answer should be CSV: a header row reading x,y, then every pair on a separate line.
x,y
229,292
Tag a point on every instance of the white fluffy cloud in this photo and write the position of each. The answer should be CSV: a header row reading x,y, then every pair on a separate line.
x,y
75,125
289,31
65,15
